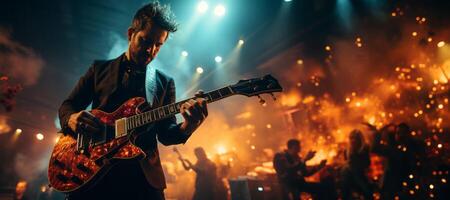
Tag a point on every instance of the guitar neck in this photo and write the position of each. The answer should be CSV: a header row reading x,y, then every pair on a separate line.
x,y
179,155
173,109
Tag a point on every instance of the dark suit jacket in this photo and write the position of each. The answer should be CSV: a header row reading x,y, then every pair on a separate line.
x,y
101,86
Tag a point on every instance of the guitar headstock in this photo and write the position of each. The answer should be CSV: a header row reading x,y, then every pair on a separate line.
x,y
256,86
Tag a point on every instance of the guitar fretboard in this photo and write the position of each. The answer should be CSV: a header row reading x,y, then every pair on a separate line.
x,y
173,109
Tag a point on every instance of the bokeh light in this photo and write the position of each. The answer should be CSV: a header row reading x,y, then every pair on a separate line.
x,y
218,59
202,7
219,10
199,70
39,136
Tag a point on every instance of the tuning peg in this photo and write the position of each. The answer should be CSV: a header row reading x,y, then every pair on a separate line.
x,y
273,96
261,100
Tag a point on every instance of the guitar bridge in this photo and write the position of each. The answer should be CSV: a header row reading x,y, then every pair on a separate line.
x,y
120,127
84,141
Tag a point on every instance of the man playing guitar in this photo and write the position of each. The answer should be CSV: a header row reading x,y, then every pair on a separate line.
x,y
108,84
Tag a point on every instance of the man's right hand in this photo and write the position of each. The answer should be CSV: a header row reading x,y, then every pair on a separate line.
x,y
84,122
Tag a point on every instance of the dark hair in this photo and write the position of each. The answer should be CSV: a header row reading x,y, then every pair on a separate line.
x,y
199,150
156,13
293,142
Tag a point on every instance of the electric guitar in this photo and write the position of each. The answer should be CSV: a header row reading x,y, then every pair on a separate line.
x,y
76,164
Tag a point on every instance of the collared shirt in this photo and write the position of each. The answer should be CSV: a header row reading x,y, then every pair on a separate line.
x,y
133,82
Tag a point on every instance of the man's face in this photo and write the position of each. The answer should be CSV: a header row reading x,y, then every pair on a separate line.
x,y
295,149
143,45
355,141
200,154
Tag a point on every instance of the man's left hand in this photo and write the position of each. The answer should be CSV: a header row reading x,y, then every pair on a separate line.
x,y
194,113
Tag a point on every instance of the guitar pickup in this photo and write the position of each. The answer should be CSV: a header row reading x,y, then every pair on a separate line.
x,y
120,127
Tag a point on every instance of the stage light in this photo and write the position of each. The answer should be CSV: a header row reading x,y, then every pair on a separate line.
x,y
441,44
39,136
221,150
18,131
287,0
260,189
241,42
199,70
219,10
184,53
202,7
218,59
43,188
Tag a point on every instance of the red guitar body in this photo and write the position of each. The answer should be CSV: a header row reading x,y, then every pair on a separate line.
x,y
71,171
